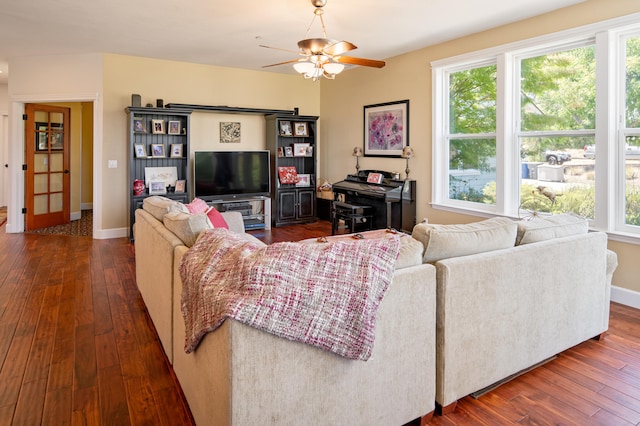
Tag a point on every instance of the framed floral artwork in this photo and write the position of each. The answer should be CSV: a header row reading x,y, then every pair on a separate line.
x,y
386,129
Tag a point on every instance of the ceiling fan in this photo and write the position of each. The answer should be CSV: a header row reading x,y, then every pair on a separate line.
x,y
323,57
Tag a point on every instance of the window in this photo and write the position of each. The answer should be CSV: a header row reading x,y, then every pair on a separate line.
x,y
631,131
517,127
557,118
472,140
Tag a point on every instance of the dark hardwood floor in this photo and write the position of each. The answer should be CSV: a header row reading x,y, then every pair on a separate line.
x,y
77,347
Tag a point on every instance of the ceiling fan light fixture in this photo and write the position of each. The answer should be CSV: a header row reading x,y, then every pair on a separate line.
x,y
333,68
324,56
304,67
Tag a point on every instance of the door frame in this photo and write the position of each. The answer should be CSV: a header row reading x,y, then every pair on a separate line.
x,y
15,201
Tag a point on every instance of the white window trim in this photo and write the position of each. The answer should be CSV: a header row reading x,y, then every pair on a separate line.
x,y
610,100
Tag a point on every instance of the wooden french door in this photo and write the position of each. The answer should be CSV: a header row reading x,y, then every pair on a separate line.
x,y
47,177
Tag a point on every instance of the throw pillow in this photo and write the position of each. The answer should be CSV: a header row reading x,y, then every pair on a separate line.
x,y
216,219
548,227
187,226
197,206
159,206
445,241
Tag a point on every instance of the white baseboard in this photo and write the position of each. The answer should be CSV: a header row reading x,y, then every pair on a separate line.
x,y
105,234
625,296
86,206
75,216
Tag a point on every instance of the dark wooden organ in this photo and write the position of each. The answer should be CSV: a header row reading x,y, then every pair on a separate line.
x,y
393,201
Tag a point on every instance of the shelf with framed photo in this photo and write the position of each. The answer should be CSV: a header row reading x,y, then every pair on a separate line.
x,y
158,140
291,140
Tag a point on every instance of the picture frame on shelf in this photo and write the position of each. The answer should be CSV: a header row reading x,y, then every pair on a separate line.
x,y
157,187
288,151
285,128
288,175
138,125
310,151
157,127
173,127
180,186
374,178
386,129
169,175
304,180
157,150
140,150
300,128
280,151
300,149
176,150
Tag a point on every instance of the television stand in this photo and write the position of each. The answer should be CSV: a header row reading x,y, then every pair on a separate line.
x,y
255,211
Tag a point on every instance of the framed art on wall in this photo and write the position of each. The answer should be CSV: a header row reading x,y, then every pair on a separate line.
x,y
229,132
386,129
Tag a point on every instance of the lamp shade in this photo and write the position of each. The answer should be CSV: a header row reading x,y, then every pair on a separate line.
x,y
357,152
407,152
333,68
303,67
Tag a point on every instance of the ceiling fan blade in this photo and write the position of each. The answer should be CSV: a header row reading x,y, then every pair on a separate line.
x,y
339,48
281,63
297,52
359,61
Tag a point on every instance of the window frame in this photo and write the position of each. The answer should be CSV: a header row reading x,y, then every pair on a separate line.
x,y
608,37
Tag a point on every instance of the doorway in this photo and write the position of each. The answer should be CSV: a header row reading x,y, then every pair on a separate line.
x,y
47,154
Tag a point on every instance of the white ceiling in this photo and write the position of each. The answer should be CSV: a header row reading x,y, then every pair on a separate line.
x,y
228,33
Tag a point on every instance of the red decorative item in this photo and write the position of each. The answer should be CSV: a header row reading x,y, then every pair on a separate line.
x,y
138,187
288,174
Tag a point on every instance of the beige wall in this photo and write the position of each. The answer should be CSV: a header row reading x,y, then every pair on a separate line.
x,y
4,98
409,77
86,195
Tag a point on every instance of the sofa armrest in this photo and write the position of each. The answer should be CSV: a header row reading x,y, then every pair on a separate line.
x,y
234,220
154,247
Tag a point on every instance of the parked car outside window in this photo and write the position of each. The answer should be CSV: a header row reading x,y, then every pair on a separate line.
x,y
631,151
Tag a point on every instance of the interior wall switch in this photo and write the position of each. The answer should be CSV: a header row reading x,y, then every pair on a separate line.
x,y
112,164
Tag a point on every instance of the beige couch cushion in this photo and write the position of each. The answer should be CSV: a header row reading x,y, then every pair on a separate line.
x,y
445,241
548,227
410,253
159,206
186,226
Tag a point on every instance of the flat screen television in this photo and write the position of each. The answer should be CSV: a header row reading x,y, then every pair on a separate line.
x,y
226,175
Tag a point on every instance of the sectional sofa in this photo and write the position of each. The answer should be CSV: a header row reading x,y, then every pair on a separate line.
x,y
469,306
239,375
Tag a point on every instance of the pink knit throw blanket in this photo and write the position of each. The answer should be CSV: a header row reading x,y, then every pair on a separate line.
x,y
322,294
